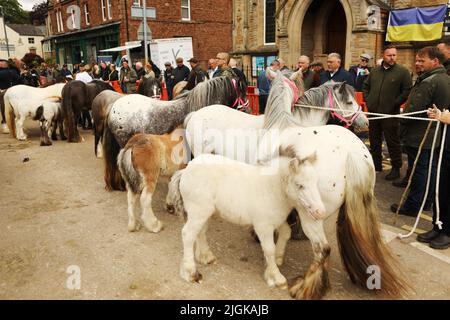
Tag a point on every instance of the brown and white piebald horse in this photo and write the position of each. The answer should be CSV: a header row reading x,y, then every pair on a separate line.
x,y
143,159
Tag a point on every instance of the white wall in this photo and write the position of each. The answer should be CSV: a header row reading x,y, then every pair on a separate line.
x,y
20,43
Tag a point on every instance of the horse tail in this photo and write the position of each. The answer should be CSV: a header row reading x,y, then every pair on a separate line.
x,y
174,200
130,175
111,148
69,115
10,116
358,232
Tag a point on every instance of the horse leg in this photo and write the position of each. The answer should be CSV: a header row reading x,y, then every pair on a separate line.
x,y
149,219
190,231
203,253
62,135
316,282
19,125
272,275
5,128
54,127
45,140
284,234
133,216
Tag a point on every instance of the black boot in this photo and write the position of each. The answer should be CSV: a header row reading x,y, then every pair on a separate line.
x,y
427,237
441,242
394,174
401,183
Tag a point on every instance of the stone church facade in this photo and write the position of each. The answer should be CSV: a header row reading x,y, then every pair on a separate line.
x,y
265,29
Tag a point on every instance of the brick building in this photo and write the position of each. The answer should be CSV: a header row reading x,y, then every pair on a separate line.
x,y
265,29
79,29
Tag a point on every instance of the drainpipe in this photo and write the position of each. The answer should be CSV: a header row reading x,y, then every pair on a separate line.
x,y
126,20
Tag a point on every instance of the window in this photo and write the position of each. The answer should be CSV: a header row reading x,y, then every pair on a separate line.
x,y
136,3
109,9
103,10
86,14
59,21
269,21
31,40
185,10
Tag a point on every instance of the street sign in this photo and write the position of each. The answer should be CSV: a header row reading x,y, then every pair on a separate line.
x,y
140,33
137,12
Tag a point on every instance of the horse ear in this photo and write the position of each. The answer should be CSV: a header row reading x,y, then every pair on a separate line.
x,y
342,87
311,158
288,151
270,73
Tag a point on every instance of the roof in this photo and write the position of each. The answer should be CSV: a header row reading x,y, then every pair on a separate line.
x,y
27,29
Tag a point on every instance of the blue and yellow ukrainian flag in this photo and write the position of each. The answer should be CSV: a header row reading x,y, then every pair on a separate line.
x,y
416,24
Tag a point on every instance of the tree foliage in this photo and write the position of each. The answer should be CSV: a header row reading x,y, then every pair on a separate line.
x,y
39,12
13,12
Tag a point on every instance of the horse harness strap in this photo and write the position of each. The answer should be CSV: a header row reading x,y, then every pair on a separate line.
x,y
294,89
334,114
238,103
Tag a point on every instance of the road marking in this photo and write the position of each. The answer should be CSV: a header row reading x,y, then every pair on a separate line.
x,y
409,228
431,251
388,235
426,217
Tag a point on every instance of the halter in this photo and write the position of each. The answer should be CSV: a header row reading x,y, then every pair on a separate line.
x,y
238,103
334,114
294,89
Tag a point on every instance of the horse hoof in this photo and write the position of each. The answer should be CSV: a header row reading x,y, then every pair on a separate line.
x,y
46,144
63,138
133,226
155,227
276,281
206,258
195,277
5,128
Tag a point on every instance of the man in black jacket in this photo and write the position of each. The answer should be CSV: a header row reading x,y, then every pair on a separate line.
x,y
335,71
385,90
181,72
196,75
361,71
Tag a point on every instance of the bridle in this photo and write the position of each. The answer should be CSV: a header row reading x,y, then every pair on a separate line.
x,y
334,114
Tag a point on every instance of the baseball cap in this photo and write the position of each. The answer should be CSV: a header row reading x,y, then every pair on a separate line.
x,y
366,56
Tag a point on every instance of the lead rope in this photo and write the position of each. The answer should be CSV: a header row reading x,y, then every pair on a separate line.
x,y
438,221
402,236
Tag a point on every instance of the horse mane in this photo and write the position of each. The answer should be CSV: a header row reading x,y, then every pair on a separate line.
x,y
278,113
219,90
102,85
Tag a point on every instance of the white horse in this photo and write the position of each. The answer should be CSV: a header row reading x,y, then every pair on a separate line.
x,y
218,129
210,181
22,101
50,118
346,184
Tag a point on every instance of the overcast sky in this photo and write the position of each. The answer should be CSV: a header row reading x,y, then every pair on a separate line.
x,y
28,4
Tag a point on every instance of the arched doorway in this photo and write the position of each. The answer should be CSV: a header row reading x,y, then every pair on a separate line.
x,y
324,28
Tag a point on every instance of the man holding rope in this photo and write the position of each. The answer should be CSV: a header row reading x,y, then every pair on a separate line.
x,y
431,88
385,89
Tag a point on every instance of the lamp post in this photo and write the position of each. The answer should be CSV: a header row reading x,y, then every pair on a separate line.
x,y
144,17
4,28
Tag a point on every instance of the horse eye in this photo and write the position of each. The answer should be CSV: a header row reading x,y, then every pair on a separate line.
x,y
300,186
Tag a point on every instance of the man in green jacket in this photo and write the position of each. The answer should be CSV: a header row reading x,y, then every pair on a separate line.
x,y
128,78
385,90
431,88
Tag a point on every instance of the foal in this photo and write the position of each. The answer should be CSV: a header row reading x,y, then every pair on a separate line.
x,y
214,184
143,159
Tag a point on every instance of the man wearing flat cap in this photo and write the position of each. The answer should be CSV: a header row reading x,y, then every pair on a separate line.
x,y
181,72
196,75
168,78
361,71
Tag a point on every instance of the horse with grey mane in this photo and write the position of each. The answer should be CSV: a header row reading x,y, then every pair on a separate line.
x,y
135,113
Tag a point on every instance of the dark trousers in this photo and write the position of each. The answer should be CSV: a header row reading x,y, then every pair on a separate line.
x,y
262,103
390,129
419,179
444,191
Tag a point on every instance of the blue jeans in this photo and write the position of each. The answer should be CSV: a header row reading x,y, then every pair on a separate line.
x,y
419,179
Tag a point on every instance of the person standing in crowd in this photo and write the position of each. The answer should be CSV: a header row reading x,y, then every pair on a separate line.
x,y
223,59
335,71
96,72
65,71
195,76
283,68
155,69
113,73
444,47
431,88
263,84
385,90
8,76
311,79
83,75
361,71
239,73
212,67
127,78
149,73
140,71
168,79
181,72
104,71
440,238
